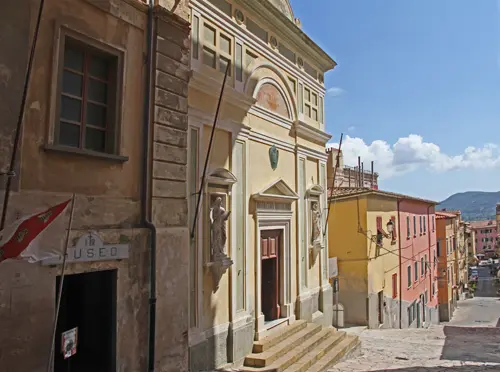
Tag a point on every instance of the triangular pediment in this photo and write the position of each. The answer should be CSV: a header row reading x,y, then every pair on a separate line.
x,y
277,191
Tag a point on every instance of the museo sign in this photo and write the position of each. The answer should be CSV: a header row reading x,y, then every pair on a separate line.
x,y
90,247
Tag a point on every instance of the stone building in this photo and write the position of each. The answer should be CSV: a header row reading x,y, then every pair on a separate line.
x,y
349,177
88,130
267,167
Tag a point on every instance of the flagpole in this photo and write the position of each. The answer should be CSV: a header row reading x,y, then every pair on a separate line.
x,y
59,294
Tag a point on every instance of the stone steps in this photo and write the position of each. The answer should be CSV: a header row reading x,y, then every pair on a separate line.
x,y
300,347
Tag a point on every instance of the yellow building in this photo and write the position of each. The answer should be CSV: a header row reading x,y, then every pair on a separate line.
x,y
267,167
447,234
366,269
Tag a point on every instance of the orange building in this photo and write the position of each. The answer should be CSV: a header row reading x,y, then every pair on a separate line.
x,y
447,226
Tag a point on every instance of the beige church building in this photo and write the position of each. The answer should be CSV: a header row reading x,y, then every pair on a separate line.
x,y
258,255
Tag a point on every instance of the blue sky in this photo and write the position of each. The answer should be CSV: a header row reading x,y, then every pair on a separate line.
x,y
427,68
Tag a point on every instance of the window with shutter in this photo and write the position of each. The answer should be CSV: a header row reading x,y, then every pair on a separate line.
x,y
394,230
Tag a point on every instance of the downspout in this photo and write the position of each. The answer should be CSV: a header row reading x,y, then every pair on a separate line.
x,y
400,271
145,190
431,258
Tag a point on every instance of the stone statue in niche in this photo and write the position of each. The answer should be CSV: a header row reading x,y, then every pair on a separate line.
x,y
316,223
218,218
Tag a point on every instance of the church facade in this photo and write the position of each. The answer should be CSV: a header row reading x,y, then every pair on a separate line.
x,y
258,249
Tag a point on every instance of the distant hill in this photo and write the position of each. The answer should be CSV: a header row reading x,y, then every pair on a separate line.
x,y
474,205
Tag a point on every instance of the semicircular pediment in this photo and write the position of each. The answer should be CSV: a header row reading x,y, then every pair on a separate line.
x,y
273,99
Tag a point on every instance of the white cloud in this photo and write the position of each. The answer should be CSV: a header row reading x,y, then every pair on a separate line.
x,y
411,153
335,91
352,128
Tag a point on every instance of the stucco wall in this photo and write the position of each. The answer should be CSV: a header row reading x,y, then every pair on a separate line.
x,y
384,261
420,244
107,192
350,248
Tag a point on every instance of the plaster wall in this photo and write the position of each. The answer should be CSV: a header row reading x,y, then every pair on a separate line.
x,y
107,191
350,247
383,262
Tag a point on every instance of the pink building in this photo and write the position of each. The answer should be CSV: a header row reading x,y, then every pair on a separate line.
x,y
418,263
486,236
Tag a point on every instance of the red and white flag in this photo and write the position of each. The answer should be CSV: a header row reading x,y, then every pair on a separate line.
x,y
21,239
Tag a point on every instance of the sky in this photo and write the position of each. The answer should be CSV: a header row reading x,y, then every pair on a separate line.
x,y
416,89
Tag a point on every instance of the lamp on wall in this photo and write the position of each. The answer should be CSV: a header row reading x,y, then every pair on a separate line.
x,y
390,227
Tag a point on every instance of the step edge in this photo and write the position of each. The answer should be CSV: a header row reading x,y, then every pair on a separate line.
x,y
315,329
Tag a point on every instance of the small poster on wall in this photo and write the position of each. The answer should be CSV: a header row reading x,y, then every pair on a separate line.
x,y
69,341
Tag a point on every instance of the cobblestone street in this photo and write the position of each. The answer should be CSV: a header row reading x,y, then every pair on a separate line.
x,y
468,343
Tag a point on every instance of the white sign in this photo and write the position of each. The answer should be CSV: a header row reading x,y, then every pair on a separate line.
x,y
90,247
333,269
69,341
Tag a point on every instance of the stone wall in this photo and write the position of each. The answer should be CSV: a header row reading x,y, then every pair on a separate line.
x,y
169,190
28,291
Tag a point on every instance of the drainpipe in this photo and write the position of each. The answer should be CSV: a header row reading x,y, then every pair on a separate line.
x,y
400,270
431,258
145,188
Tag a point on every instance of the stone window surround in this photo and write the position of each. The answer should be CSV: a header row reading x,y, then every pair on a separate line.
x,y
248,39
61,31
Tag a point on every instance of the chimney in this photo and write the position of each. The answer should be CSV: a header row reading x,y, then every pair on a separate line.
x,y
358,173
371,179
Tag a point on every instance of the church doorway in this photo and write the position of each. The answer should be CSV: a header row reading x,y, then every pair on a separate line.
x,y
270,284
88,303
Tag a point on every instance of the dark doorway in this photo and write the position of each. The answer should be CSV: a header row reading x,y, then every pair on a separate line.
x,y
270,247
89,303
381,307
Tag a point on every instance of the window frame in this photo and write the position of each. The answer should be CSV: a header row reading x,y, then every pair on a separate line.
x,y
409,274
414,226
309,103
114,84
394,285
114,129
415,264
216,48
408,227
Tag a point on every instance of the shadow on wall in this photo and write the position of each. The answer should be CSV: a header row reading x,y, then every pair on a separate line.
x,y
472,344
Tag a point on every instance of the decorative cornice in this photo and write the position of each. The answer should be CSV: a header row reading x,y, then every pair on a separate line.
x,y
250,39
306,151
310,133
270,140
204,83
271,117
291,33
229,125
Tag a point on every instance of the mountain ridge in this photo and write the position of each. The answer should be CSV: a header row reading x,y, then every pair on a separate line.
x,y
474,205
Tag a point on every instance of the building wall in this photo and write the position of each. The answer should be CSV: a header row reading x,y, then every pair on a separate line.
x,y
349,245
264,111
383,264
446,272
107,188
347,176
486,236
418,248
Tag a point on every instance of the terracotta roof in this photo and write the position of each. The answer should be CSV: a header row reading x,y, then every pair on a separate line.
x,y
347,192
448,214
482,224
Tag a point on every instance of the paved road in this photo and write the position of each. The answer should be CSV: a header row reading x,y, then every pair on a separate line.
x,y
470,342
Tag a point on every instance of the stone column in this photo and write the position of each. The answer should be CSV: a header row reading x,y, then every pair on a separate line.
x,y
169,190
